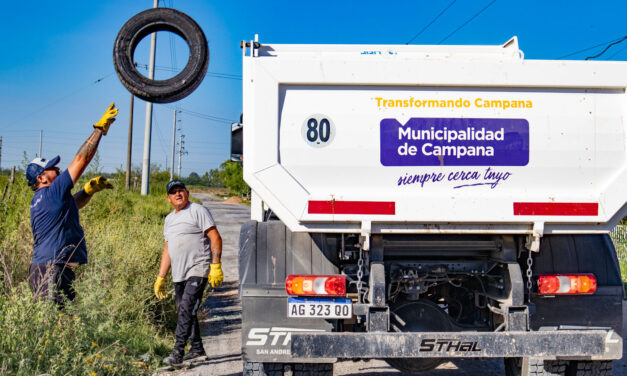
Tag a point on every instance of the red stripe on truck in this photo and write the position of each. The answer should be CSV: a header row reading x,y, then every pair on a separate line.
x,y
352,207
556,208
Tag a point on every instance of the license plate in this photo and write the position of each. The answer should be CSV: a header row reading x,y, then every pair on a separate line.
x,y
334,308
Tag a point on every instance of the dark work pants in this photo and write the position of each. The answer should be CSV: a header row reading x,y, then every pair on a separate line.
x,y
188,297
52,281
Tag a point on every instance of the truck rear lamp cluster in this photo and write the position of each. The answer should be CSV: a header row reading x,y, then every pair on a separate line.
x,y
316,285
567,284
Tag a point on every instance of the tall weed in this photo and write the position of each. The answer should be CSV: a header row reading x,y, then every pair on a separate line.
x,y
116,325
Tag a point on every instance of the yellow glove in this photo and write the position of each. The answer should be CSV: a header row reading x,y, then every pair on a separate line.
x,y
107,119
215,275
97,184
160,288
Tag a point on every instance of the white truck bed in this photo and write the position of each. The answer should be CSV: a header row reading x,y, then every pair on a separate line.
x,y
437,139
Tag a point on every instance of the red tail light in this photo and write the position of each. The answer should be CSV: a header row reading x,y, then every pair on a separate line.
x,y
567,284
314,285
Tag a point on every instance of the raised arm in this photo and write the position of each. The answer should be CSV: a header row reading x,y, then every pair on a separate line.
x,y
87,151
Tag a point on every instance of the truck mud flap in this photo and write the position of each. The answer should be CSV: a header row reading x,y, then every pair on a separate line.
x,y
546,344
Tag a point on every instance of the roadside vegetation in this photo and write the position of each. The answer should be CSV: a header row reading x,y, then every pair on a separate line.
x,y
116,326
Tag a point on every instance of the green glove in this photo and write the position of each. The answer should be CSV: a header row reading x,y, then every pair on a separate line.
x,y
215,275
160,288
107,119
97,184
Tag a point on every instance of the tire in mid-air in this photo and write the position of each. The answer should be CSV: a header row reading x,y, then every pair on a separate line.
x,y
142,25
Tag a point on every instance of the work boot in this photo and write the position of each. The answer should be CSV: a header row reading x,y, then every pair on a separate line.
x,y
194,354
174,359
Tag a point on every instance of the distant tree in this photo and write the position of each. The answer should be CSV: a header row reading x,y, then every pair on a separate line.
x,y
192,179
231,175
94,168
212,178
25,161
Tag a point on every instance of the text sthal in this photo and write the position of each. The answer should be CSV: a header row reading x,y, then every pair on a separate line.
x,y
283,336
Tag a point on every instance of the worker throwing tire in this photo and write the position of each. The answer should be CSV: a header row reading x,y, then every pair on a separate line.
x,y
192,250
58,238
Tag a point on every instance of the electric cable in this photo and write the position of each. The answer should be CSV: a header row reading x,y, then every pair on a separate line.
x,y
617,52
201,115
175,70
607,48
432,21
586,49
467,22
30,114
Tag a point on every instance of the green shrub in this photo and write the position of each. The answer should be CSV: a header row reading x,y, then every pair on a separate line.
x,y
115,319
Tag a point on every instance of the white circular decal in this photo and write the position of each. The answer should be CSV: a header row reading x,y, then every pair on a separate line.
x,y
318,130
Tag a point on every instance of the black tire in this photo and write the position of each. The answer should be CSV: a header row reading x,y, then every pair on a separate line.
x,y
537,367
140,26
263,369
312,369
590,368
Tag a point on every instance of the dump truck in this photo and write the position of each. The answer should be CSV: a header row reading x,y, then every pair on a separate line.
x,y
421,203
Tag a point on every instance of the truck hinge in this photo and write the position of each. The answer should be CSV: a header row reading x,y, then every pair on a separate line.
x,y
364,239
533,241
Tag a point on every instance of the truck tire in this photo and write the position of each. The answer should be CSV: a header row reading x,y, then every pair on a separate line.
x,y
140,26
263,369
279,369
312,369
537,367
590,368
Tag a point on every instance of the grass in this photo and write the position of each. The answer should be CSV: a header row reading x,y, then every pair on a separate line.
x,y
116,326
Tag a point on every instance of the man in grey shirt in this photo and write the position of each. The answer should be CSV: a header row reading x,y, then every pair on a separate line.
x,y
191,241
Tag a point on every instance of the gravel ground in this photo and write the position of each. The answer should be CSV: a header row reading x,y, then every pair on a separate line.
x,y
221,329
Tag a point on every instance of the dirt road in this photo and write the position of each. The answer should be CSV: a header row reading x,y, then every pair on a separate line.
x,y
221,329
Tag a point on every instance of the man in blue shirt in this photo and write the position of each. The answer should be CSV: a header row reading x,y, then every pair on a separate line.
x,y
58,238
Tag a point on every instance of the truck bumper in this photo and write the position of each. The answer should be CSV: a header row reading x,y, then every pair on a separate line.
x,y
593,344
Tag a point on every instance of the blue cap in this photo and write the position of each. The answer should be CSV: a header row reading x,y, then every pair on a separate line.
x,y
174,183
37,166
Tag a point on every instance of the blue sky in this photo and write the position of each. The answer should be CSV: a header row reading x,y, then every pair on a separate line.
x,y
54,52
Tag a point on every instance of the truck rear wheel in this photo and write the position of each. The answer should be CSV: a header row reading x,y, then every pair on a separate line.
x,y
263,369
295,369
312,369
590,368
537,367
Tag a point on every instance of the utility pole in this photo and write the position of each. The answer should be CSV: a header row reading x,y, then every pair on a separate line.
x,y
148,127
0,154
129,148
181,152
41,135
173,146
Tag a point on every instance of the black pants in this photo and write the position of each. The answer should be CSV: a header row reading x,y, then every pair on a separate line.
x,y
188,297
52,281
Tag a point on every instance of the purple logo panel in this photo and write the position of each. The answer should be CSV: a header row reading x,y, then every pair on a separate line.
x,y
455,142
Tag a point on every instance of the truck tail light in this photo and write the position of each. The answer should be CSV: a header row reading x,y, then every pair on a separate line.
x,y
562,284
313,285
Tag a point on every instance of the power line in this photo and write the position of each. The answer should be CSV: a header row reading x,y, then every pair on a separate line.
x,y
467,22
432,21
201,115
589,48
59,100
618,52
606,48
176,70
